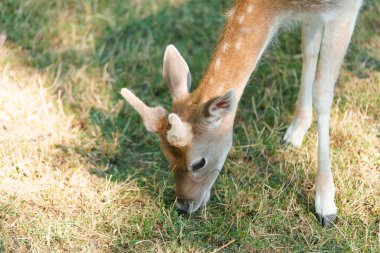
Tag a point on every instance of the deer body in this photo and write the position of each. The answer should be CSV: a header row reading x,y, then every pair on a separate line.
x,y
197,136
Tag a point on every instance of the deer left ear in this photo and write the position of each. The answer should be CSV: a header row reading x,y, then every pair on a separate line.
x,y
220,107
176,73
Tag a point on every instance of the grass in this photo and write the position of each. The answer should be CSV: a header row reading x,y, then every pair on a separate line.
x,y
78,172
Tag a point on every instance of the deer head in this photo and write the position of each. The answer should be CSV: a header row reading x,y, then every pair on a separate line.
x,y
195,138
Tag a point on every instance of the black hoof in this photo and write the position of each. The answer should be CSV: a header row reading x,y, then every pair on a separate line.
x,y
327,221
285,144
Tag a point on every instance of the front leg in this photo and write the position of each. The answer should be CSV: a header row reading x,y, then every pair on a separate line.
x,y
311,42
325,190
336,37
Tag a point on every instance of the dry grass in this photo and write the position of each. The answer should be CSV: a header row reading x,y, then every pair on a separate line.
x,y
78,173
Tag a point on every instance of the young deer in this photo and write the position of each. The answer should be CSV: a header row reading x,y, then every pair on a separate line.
x,y
197,136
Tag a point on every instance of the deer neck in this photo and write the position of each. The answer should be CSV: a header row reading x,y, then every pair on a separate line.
x,y
248,30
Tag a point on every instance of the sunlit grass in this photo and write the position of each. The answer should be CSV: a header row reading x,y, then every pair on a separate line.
x,y
79,173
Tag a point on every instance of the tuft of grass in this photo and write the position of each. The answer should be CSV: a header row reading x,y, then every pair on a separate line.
x,y
78,172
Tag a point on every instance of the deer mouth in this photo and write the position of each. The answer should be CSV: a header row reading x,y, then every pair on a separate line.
x,y
190,206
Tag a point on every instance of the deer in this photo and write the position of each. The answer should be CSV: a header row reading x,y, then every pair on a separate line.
x,y
196,136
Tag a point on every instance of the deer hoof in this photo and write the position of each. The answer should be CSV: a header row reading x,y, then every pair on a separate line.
x,y
327,221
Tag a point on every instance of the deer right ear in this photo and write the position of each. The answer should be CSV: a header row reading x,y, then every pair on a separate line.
x,y
176,73
219,107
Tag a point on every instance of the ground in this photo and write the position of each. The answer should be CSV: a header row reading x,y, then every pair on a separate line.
x,y
79,173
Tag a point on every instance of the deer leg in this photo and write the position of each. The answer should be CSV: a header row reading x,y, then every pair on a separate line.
x,y
311,41
336,37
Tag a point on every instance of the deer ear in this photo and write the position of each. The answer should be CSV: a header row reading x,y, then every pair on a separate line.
x,y
176,73
218,108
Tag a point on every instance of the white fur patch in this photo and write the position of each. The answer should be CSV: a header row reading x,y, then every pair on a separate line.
x,y
238,45
324,202
226,46
241,19
250,8
245,31
217,64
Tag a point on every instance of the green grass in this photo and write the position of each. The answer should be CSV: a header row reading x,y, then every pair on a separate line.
x,y
79,173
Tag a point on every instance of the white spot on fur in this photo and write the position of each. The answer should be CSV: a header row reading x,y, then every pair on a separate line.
x,y
250,8
241,19
217,64
245,31
225,46
238,45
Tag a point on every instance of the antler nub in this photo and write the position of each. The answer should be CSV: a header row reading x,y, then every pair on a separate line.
x,y
151,116
180,133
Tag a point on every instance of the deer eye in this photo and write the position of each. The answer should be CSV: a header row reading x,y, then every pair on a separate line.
x,y
198,165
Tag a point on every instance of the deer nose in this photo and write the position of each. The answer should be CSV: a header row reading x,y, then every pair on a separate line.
x,y
183,205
